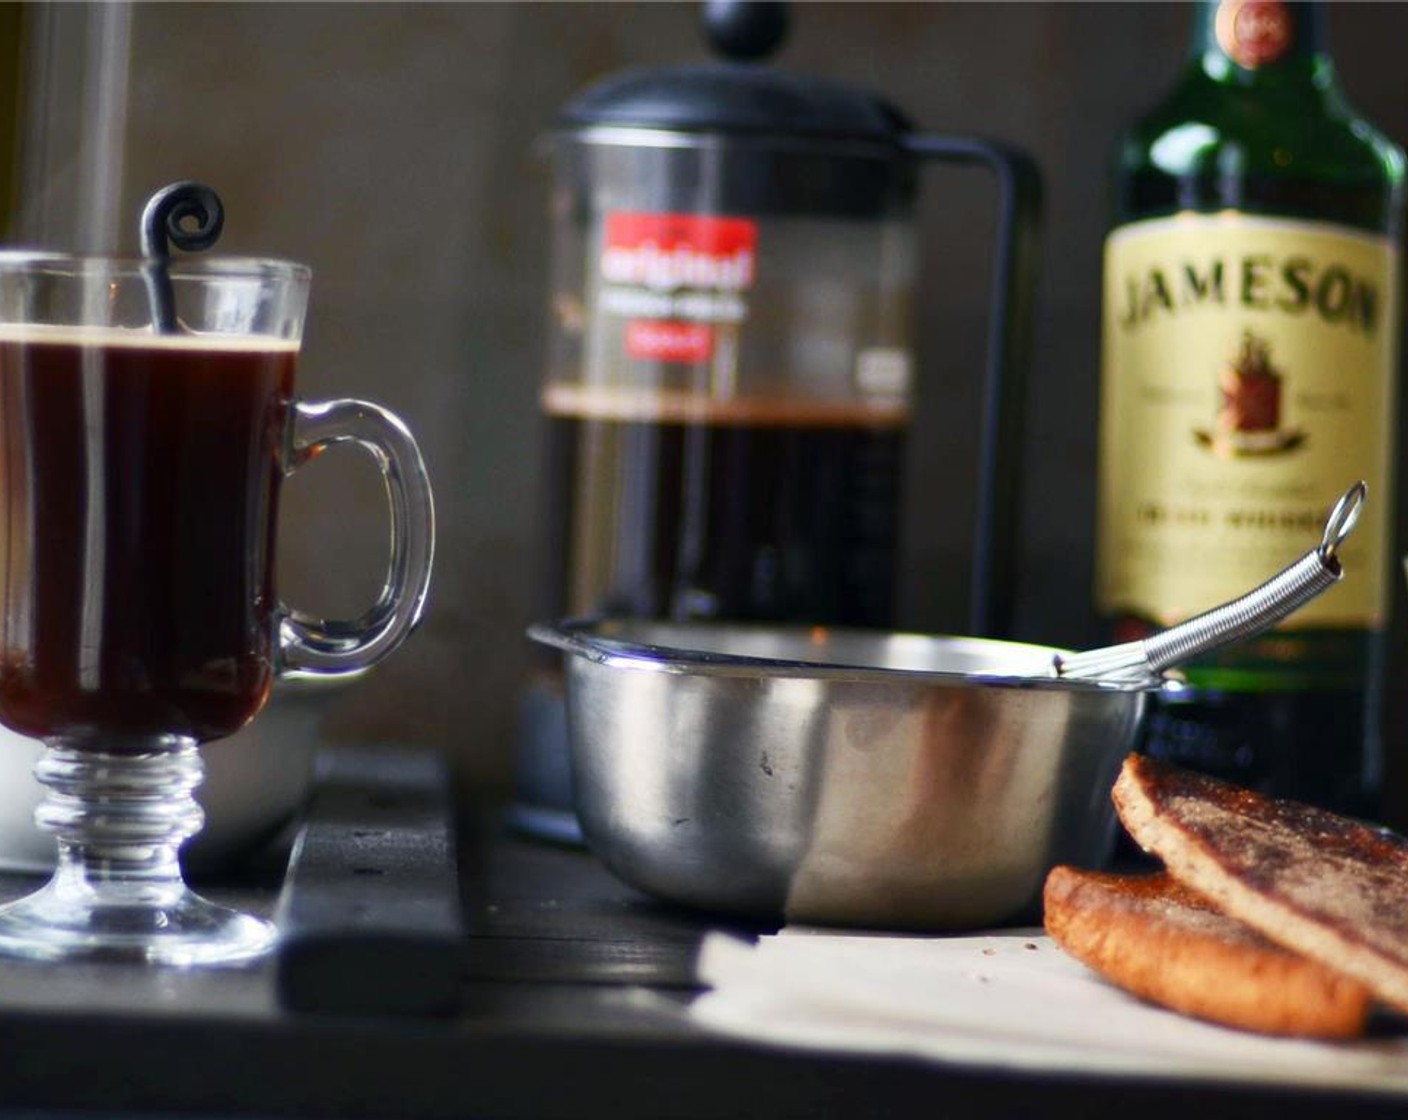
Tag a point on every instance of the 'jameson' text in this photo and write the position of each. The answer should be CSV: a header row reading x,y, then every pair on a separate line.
x,y
1259,282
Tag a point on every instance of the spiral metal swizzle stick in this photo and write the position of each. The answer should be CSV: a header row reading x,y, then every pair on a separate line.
x,y
166,222
1253,613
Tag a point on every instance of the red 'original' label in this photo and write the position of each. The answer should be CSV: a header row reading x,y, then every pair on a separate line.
x,y
653,340
1254,32
670,252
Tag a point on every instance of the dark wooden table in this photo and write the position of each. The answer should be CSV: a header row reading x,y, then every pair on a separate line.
x,y
572,1004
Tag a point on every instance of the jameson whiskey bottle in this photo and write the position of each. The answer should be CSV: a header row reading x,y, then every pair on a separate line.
x,y
1250,332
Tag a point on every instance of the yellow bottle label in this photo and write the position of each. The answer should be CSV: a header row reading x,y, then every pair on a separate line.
x,y
1247,381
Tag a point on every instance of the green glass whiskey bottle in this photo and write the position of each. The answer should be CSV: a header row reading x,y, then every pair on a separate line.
x,y
1249,357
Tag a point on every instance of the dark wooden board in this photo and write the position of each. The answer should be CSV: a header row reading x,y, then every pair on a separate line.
x,y
370,918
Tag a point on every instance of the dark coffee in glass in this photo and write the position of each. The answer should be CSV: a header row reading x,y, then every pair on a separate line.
x,y
141,480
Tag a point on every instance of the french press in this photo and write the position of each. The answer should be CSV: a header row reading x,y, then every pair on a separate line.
x,y
730,364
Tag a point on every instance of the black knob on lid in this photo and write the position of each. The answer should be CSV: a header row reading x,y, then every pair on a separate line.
x,y
745,29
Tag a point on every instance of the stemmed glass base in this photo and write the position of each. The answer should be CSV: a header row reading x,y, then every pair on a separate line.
x,y
120,815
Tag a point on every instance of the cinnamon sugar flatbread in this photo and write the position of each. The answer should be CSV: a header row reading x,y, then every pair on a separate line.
x,y
1319,884
1162,942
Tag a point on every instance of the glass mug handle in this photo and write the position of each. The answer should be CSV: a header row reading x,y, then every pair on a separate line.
x,y
312,645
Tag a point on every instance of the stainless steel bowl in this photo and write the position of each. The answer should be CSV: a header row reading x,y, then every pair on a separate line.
x,y
825,776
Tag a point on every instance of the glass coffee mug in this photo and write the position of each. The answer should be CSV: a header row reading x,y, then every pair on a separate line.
x,y
140,464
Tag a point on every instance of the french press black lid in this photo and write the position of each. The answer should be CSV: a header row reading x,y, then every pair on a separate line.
x,y
740,97
737,95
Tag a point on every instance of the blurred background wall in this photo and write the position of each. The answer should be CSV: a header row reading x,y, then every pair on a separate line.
x,y
395,148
